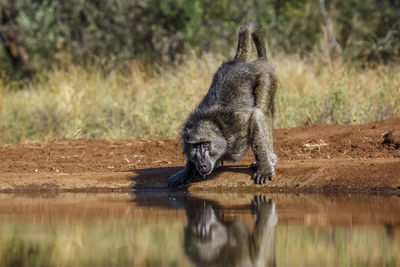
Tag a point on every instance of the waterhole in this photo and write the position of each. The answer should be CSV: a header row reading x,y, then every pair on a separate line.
x,y
193,229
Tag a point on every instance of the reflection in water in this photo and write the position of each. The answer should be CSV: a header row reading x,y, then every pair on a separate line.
x,y
185,229
210,240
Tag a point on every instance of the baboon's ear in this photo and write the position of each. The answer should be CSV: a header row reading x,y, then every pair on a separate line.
x,y
186,134
185,137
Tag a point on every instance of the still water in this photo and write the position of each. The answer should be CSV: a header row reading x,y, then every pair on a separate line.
x,y
199,229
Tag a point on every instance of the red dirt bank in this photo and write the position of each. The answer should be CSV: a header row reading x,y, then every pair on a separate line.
x,y
322,158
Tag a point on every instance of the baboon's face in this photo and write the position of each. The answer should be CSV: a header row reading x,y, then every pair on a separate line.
x,y
200,154
205,235
204,145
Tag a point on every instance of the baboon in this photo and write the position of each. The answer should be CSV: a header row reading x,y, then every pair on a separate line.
x,y
236,112
212,240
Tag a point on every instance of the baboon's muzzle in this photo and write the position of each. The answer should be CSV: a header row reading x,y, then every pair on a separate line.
x,y
204,167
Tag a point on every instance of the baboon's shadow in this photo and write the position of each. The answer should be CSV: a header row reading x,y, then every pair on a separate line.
x,y
243,169
157,178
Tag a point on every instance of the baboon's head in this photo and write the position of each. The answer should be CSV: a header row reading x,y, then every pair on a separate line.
x,y
205,234
204,145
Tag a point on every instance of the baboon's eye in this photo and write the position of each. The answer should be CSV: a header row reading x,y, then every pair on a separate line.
x,y
202,144
206,144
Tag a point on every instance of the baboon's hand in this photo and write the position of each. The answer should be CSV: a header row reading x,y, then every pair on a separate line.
x,y
260,200
177,179
265,207
261,176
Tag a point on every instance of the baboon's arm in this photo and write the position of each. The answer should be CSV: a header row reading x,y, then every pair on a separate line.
x,y
263,235
261,143
183,175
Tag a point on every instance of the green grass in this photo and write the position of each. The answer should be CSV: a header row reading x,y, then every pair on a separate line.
x,y
77,102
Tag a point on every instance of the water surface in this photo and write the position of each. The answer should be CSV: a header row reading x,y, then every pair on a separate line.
x,y
185,229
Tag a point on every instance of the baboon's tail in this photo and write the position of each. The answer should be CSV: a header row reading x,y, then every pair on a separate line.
x,y
249,30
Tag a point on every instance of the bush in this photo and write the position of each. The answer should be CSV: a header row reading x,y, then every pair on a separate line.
x,y
110,32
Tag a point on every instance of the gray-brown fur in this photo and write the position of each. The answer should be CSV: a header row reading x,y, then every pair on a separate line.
x,y
237,112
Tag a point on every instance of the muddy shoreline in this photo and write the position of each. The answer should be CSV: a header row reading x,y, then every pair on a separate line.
x,y
313,159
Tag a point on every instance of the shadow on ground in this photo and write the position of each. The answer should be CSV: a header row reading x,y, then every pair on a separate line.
x,y
156,178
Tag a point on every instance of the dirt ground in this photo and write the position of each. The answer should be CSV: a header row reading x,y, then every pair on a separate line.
x,y
321,158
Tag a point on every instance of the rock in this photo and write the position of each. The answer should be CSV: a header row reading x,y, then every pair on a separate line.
x,y
391,138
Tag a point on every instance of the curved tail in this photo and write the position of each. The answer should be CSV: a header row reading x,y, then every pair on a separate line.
x,y
248,31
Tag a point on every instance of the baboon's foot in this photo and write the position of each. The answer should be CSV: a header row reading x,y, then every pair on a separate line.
x,y
261,176
260,200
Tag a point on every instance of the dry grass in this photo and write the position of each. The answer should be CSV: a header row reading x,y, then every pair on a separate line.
x,y
312,92
76,102
335,246
77,243
161,243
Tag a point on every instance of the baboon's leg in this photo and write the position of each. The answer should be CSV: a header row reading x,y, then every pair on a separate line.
x,y
262,147
265,90
264,93
263,233
273,157
183,175
270,126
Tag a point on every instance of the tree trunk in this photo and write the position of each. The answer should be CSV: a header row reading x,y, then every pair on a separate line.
x,y
335,51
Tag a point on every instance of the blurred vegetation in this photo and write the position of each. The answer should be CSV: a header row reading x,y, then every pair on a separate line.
x,y
335,246
77,102
91,243
133,69
160,243
110,32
